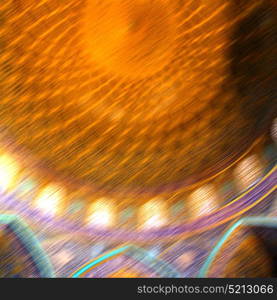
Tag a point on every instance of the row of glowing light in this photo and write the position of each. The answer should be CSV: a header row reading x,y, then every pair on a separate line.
x,y
48,200
102,212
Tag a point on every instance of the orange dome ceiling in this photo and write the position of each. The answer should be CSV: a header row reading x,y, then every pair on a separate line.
x,y
135,93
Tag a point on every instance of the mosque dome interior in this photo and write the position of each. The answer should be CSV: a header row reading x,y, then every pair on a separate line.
x,y
137,128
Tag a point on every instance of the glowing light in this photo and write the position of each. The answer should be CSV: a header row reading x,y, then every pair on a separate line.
x,y
8,171
248,172
49,199
203,200
153,214
101,214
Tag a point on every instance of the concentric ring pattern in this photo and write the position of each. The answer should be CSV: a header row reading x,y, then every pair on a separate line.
x,y
135,93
